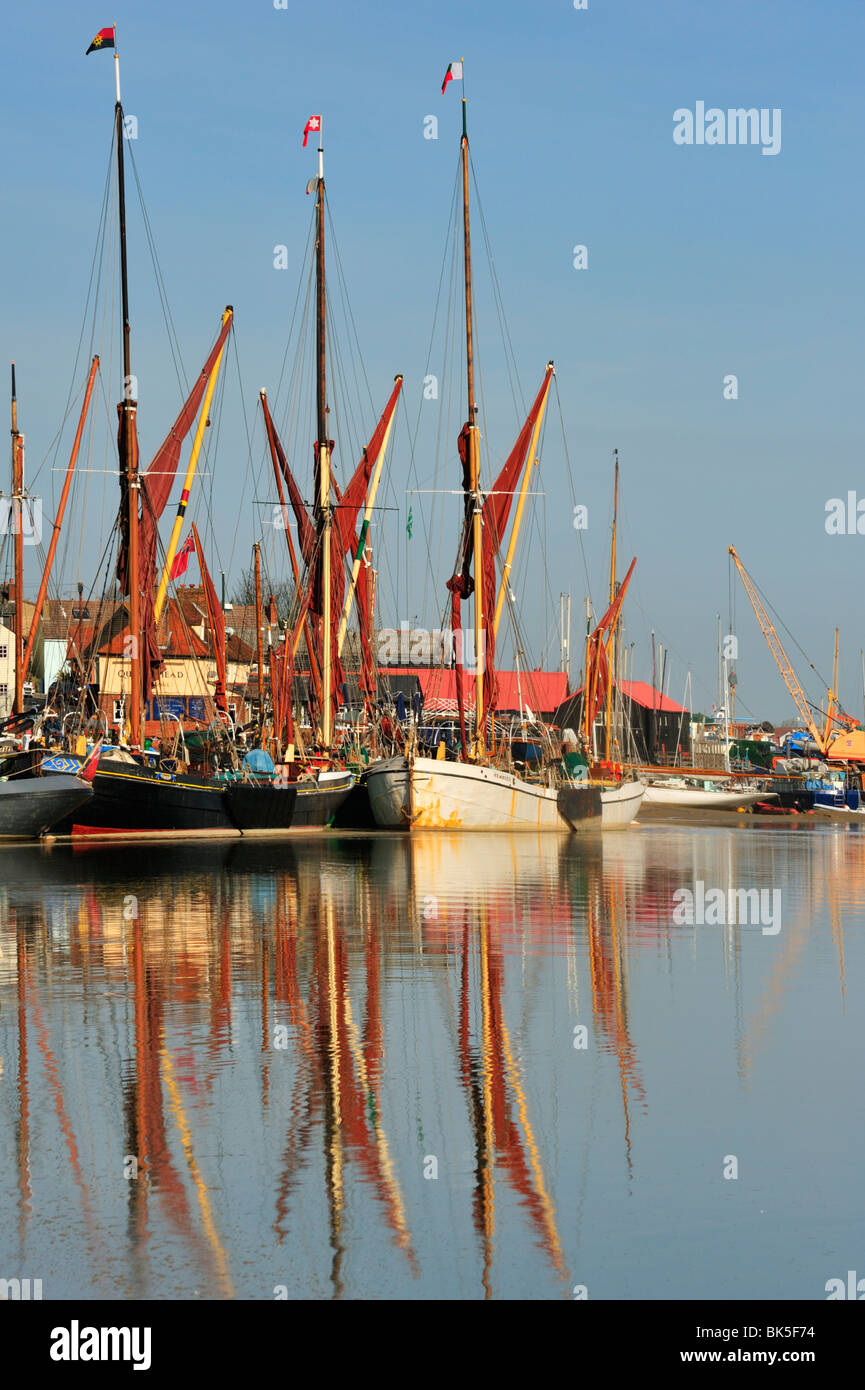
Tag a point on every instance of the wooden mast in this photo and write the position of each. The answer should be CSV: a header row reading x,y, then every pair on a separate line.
x,y
473,458
128,452
259,619
17,531
55,535
323,511
295,569
612,600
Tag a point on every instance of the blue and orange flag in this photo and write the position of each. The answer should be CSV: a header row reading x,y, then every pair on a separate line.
x,y
104,39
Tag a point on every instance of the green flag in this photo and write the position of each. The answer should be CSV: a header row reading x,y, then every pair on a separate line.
x,y
408,523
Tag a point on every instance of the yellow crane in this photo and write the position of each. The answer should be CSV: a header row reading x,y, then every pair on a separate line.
x,y
791,680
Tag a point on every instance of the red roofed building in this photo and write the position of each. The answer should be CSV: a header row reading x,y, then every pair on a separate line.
x,y
186,684
540,692
658,724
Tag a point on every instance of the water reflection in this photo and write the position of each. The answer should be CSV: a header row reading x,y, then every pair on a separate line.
x,y
347,1066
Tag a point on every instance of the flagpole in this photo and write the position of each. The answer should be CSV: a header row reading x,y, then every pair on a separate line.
x,y
116,66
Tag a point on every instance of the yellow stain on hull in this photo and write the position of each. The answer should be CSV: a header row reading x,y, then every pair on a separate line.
x,y
433,819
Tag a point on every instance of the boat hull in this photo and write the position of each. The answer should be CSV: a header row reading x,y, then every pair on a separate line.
x,y
620,804
132,800
34,805
431,794
701,797
268,807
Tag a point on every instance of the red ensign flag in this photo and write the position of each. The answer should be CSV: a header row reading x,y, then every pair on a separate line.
x,y
181,559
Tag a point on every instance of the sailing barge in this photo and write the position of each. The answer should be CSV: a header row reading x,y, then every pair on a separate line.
x,y
481,790
129,797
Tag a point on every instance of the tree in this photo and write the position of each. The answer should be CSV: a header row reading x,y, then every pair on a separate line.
x,y
283,592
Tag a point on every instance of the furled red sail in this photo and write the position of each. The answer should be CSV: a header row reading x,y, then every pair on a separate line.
x,y
597,667
305,529
216,618
156,485
348,507
496,511
461,584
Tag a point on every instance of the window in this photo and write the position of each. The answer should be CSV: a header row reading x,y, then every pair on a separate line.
x,y
4,689
4,652
118,712
232,713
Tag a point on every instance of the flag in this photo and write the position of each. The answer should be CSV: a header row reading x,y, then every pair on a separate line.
x,y
455,70
181,559
314,124
408,524
88,768
104,39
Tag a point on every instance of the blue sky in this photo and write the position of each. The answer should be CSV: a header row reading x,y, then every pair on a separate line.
x,y
703,261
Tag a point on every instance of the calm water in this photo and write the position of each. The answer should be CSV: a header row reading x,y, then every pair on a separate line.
x,y
459,1067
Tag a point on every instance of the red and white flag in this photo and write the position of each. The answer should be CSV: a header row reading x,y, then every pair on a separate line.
x,y
181,559
455,71
313,124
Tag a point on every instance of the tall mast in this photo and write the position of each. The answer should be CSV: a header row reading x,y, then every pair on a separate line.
x,y
324,517
128,452
259,619
55,535
474,470
17,530
612,600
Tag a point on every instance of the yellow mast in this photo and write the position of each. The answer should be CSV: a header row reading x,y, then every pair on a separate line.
x,y
190,474
531,461
361,544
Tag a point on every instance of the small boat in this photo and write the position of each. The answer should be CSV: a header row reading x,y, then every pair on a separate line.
x,y
679,791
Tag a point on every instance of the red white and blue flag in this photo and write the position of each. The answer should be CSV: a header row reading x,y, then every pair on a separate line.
x,y
104,39
454,72
181,559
